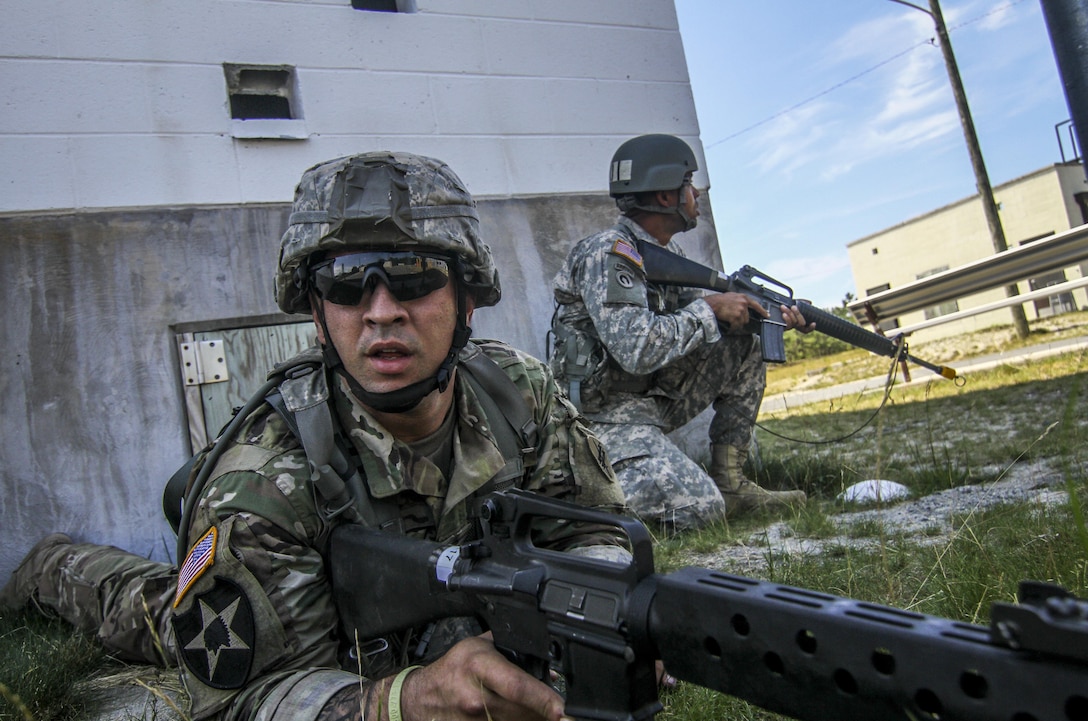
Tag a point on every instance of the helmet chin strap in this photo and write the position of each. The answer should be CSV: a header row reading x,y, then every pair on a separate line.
x,y
403,399
690,221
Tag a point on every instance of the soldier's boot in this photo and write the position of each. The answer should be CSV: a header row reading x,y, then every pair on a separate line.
x,y
44,559
741,494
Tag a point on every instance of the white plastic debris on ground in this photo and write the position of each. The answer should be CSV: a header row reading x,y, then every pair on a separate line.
x,y
875,492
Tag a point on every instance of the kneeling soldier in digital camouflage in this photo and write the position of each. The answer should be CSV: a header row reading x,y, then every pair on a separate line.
x,y
383,249
641,359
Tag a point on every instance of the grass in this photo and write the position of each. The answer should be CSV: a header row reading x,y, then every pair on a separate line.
x,y
857,364
930,437
960,580
44,667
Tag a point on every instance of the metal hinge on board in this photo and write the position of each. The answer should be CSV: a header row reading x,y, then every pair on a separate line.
x,y
203,362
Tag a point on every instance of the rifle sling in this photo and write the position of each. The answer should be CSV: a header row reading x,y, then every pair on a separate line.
x,y
302,400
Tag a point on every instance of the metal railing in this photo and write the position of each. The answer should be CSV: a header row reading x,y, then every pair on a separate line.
x,y
1058,251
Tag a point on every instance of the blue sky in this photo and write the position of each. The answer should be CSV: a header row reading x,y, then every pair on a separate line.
x,y
825,121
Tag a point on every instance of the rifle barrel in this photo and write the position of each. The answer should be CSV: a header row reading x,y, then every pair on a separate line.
x,y
855,335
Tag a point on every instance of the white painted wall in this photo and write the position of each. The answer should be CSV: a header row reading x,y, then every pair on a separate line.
x,y
128,208
121,103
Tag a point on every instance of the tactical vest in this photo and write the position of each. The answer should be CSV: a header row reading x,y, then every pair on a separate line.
x,y
298,391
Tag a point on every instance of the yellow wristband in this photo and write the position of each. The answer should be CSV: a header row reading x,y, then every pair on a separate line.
x,y
394,693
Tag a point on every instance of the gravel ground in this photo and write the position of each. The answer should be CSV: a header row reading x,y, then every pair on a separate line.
x,y
929,520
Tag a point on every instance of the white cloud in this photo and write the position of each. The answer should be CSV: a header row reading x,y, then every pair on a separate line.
x,y
814,269
896,109
999,17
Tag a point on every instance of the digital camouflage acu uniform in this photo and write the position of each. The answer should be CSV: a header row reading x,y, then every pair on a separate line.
x,y
666,361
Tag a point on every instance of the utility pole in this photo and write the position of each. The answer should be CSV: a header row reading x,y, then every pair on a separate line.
x,y
982,180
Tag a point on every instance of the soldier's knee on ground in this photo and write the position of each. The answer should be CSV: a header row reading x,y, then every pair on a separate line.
x,y
669,492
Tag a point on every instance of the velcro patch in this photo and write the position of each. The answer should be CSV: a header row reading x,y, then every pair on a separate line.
x,y
625,249
216,636
201,557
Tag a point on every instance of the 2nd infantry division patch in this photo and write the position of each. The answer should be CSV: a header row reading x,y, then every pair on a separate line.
x,y
216,635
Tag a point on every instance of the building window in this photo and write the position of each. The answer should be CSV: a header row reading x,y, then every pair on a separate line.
x,y
1059,302
936,311
260,91
878,289
888,324
264,101
385,6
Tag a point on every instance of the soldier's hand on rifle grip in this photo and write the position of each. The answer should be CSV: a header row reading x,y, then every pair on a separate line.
x,y
734,309
474,682
793,318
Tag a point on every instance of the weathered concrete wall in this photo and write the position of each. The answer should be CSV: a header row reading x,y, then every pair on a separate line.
x,y
92,417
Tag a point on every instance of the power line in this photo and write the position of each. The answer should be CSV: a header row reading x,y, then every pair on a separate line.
x,y
790,109
912,48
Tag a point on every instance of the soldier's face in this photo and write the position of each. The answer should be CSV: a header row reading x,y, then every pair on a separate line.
x,y
387,344
689,198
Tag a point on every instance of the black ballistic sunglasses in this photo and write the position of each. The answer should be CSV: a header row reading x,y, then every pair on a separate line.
x,y
344,279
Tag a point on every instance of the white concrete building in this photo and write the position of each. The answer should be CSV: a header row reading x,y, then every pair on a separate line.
x,y
149,156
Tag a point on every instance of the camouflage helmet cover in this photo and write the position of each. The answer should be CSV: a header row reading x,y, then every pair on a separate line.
x,y
382,200
648,163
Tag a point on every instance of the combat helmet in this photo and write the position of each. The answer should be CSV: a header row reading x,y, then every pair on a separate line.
x,y
390,201
382,200
646,164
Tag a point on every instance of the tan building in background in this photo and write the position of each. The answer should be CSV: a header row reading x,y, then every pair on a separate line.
x,y
1032,207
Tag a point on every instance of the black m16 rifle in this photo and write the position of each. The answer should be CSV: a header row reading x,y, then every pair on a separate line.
x,y
667,268
794,651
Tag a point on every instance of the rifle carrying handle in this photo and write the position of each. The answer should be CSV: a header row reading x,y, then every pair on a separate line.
x,y
518,510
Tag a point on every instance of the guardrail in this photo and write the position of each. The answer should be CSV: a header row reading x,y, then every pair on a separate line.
x,y
1058,251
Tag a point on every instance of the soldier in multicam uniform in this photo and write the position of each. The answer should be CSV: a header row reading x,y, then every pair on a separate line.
x,y
642,359
373,243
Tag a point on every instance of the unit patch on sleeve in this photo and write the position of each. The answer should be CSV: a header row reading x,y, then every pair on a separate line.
x,y
216,636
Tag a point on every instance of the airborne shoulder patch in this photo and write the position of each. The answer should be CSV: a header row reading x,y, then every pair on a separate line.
x,y
216,636
626,249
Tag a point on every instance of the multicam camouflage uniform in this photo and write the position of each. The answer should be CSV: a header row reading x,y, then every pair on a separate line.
x,y
256,626
250,612
271,540
666,361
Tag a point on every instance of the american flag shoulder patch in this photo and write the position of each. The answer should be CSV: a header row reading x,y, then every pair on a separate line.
x,y
200,558
626,249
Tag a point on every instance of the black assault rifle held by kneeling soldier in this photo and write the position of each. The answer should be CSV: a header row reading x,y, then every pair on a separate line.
x,y
798,652
667,268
